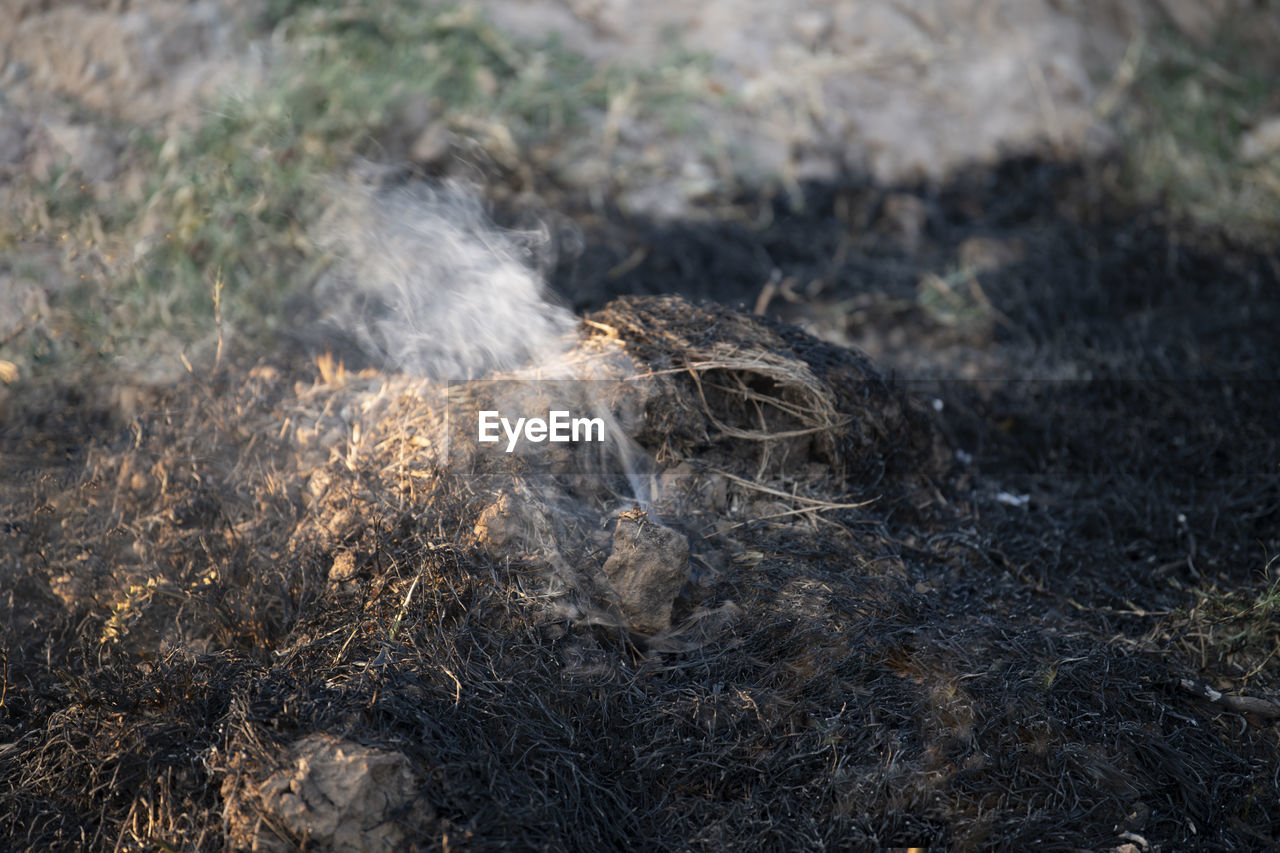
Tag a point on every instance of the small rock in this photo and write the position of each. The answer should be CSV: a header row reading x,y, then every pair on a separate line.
x,y
334,793
648,567
509,524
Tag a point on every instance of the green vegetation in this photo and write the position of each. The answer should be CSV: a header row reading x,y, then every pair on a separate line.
x,y
233,200
1190,107
355,82
1236,630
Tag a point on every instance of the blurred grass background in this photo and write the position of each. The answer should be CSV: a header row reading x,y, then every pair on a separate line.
x,y
233,199
1181,132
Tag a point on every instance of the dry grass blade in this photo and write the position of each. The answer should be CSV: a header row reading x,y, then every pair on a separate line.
x,y
815,503
1240,704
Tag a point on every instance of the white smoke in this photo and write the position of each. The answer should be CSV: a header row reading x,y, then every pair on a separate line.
x,y
428,285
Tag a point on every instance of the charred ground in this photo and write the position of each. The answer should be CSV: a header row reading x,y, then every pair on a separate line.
x,y
991,655
1114,363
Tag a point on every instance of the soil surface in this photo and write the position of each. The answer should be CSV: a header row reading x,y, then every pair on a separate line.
x,y
966,624
975,471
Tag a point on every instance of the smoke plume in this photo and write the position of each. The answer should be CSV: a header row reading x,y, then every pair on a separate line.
x,y
427,285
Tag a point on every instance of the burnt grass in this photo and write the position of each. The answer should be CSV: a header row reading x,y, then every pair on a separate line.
x,y
991,656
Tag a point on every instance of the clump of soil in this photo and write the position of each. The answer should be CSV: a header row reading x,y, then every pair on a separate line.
x,y
334,793
648,567
507,526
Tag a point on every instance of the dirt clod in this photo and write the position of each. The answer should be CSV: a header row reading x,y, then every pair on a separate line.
x,y
344,566
338,795
510,524
648,567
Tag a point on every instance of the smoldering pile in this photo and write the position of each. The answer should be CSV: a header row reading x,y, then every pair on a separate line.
x,y
735,432
716,420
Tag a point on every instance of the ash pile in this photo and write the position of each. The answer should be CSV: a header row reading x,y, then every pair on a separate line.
x,y
316,616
